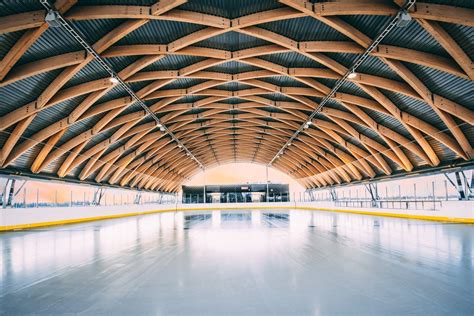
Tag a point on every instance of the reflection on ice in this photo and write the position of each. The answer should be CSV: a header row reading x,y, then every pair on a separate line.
x,y
308,256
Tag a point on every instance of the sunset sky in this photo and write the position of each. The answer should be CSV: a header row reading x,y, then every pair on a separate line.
x,y
236,173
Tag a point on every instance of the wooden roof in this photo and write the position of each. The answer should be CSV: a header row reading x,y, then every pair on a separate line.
x,y
233,82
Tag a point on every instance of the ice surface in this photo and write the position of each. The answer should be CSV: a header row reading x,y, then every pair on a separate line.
x,y
240,262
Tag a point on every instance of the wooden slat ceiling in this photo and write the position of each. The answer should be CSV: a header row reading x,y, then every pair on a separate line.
x,y
394,116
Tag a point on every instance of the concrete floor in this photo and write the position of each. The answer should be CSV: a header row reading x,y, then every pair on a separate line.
x,y
240,262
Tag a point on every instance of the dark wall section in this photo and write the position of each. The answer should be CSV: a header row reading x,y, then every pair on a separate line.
x,y
235,193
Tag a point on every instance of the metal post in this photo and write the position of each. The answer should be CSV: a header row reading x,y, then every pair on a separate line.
x,y
6,193
332,192
399,196
414,194
11,194
204,188
463,193
266,173
37,197
374,194
4,196
446,189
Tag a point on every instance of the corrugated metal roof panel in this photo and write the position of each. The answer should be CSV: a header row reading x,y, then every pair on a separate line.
x,y
291,60
368,132
94,30
233,86
183,83
122,62
190,99
8,40
118,2
18,6
114,93
449,86
77,171
92,71
304,29
233,101
415,37
159,32
443,152
24,91
137,86
53,167
232,67
415,107
283,81
232,41
351,88
27,158
390,122
230,9
278,97
173,62
372,65
5,134
54,41
370,25
463,35
52,114
459,3
133,108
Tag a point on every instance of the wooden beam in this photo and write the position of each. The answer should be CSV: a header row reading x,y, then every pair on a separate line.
x,y
163,6
21,21
449,44
27,40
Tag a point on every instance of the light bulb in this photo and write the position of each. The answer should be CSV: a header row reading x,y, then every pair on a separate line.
x,y
352,75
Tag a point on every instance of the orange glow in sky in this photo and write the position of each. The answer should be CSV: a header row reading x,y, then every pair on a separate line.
x,y
237,173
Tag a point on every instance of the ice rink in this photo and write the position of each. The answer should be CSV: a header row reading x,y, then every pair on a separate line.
x,y
240,262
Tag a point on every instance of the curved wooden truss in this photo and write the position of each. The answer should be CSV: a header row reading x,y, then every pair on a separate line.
x,y
352,139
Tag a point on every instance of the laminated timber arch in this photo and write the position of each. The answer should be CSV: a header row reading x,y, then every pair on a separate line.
x,y
231,101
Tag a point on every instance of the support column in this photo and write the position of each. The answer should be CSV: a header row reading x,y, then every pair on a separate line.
x,y
7,192
138,197
462,185
266,172
11,193
374,194
98,194
204,187
332,192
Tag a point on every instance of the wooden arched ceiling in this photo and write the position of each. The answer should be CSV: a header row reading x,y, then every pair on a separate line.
x,y
233,80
